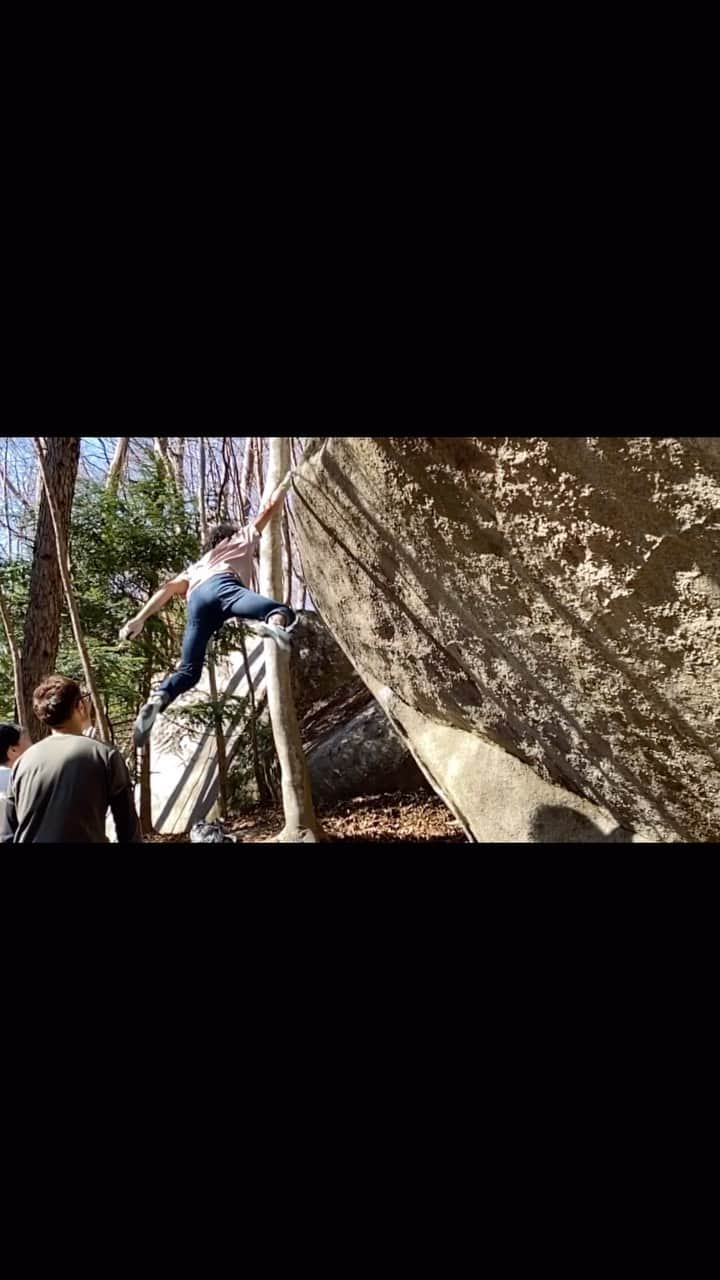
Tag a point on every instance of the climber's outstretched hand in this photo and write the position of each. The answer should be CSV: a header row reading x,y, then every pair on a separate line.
x,y
131,630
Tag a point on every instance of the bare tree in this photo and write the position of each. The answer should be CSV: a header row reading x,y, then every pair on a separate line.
x,y
227,470
145,815
235,505
245,477
264,792
15,659
118,463
258,457
219,734
11,488
202,509
61,552
38,478
178,461
45,595
301,824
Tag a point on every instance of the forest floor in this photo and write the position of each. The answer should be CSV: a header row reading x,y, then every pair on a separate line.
x,y
417,817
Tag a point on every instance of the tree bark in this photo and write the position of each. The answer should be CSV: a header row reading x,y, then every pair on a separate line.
x,y
245,478
118,463
258,455
219,736
15,659
62,559
265,795
177,460
145,806
39,491
202,511
145,815
45,595
227,469
301,824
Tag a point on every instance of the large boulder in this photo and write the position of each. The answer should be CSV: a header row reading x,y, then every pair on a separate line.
x,y
352,749
539,618
350,746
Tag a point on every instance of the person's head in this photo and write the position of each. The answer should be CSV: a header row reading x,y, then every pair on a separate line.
x,y
218,533
14,739
62,704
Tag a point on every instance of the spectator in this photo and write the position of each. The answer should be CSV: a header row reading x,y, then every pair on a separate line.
x,y
60,788
13,741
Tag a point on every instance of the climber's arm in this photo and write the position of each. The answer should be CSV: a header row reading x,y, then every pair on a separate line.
x,y
268,508
175,587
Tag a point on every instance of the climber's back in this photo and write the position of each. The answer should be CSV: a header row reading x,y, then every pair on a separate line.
x,y
229,548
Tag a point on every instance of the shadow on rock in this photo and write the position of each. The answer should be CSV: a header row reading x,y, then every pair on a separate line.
x,y
553,824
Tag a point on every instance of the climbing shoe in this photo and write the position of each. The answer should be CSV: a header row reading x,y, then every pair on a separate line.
x,y
147,717
278,634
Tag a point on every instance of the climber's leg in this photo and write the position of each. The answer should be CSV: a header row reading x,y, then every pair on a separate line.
x,y
256,610
186,675
204,618
248,604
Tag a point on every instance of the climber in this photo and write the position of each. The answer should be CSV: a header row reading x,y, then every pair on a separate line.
x,y
215,587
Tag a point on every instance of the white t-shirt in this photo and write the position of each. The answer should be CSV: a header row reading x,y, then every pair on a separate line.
x,y
233,555
5,772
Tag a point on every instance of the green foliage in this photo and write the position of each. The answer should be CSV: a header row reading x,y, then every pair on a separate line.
x,y
242,783
197,717
15,579
123,545
234,715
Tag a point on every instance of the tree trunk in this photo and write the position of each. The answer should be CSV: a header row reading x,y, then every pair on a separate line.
x,y
265,795
227,470
16,661
39,491
201,493
258,455
219,736
178,461
118,463
145,806
62,559
145,792
245,477
45,596
301,825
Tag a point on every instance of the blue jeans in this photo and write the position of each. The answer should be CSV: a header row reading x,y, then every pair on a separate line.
x,y
209,606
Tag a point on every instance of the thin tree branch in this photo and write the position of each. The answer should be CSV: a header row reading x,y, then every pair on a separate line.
x,y
70,597
15,658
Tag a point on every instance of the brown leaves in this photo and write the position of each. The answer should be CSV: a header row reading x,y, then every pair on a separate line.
x,y
401,818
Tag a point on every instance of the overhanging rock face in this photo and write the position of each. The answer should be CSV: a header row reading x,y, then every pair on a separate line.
x,y
555,602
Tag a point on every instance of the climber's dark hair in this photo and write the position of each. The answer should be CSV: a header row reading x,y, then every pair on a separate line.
x,y
218,533
10,735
